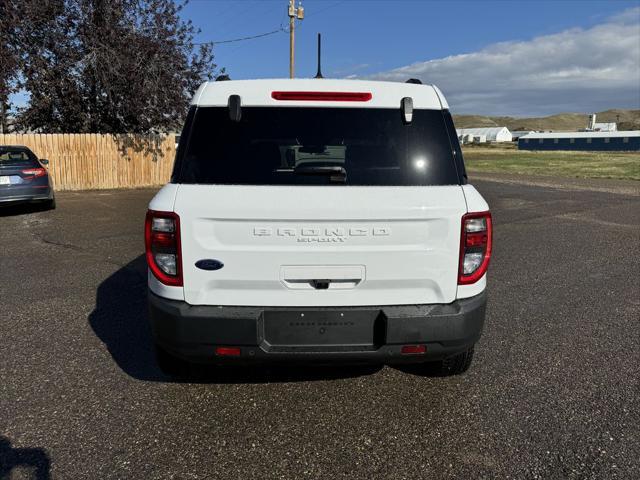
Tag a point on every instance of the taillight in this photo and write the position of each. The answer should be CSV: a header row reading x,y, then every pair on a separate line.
x,y
34,172
475,247
162,244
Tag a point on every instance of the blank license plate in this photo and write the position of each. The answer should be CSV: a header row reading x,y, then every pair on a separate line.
x,y
293,328
5,180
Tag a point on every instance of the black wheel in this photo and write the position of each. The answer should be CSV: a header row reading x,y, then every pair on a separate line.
x,y
454,365
171,366
50,204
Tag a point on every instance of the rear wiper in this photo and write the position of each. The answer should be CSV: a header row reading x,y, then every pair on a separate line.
x,y
337,174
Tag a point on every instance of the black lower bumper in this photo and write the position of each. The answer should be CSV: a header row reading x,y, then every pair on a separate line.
x,y
317,335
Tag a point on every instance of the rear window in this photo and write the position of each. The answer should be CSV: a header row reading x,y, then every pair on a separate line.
x,y
315,146
14,157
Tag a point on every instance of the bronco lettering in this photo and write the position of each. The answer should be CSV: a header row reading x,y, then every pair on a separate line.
x,y
316,234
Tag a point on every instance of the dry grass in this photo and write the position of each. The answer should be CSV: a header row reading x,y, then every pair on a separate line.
x,y
506,159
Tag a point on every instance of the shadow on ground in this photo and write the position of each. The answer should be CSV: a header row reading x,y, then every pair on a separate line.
x,y
120,320
21,209
32,463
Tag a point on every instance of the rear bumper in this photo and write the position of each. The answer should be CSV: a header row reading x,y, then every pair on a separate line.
x,y
25,194
192,332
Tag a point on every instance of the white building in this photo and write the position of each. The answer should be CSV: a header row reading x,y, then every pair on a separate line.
x,y
600,127
605,127
492,134
468,138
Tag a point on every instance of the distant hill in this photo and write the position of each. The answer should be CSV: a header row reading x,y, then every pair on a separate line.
x,y
629,120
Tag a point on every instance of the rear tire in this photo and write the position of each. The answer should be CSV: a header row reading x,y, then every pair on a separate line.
x,y
170,365
454,365
50,204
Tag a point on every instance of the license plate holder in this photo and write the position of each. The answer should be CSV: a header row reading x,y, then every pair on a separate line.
x,y
305,328
5,180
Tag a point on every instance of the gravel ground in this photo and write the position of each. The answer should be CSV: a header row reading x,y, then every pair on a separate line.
x,y
552,393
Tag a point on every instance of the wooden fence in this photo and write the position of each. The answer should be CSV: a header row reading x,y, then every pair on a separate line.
x,y
96,161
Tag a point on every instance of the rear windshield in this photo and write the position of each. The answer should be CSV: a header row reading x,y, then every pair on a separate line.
x,y
15,157
315,146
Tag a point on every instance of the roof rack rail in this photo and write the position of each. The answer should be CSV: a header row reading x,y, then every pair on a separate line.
x,y
414,80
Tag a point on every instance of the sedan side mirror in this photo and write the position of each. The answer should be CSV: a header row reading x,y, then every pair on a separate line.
x,y
44,161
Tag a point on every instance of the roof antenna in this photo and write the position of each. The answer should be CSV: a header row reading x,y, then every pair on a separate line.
x,y
319,74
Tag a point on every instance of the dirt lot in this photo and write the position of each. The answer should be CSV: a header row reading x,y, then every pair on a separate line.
x,y
553,391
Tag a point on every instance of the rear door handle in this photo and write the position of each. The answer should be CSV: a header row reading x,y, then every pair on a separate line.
x,y
322,277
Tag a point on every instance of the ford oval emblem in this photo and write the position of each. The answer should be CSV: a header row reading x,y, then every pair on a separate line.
x,y
209,264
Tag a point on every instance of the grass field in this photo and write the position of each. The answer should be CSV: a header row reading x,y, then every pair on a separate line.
x,y
507,159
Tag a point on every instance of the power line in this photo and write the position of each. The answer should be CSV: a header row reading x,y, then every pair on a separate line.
x,y
218,42
318,12
266,34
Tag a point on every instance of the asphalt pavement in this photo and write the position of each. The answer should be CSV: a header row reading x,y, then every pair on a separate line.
x,y
553,391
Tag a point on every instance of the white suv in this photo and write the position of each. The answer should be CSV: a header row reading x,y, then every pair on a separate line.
x,y
318,221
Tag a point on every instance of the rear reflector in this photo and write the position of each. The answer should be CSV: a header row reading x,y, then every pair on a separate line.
x,y
228,351
413,350
323,96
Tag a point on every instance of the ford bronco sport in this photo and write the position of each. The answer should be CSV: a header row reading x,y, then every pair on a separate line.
x,y
318,221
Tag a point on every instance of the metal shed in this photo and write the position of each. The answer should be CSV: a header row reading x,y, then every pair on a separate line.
x,y
600,141
516,134
493,134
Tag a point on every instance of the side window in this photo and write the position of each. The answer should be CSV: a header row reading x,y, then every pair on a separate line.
x,y
182,145
455,145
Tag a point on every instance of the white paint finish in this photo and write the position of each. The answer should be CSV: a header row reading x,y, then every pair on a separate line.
x,y
443,100
300,277
475,202
466,291
379,245
165,198
162,290
406,238
258,93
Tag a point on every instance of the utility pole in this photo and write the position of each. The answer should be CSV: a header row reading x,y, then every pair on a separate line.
x,y
293,13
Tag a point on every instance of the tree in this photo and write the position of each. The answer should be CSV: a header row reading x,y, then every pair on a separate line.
x,y
8,59
110,66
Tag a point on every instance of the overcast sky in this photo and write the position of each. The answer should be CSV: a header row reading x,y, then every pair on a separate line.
x,y
575,70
